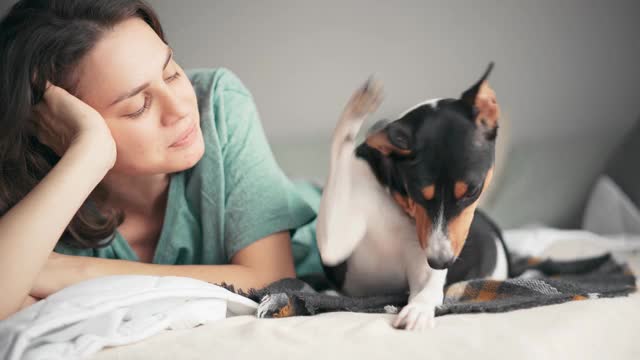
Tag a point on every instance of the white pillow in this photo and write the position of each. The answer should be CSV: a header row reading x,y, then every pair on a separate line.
x,y
610,211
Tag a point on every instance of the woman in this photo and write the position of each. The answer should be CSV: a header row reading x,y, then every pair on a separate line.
x,y
110,151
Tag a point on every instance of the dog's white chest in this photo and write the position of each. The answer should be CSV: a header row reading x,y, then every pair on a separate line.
x,y
378,264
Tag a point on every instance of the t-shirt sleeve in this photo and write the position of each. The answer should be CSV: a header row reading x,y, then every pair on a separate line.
x,y
259,198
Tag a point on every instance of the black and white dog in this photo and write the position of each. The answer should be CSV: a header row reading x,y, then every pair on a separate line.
x,y
397,211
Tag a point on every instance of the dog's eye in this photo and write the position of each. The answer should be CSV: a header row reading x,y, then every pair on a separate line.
x,y
472,191
400,141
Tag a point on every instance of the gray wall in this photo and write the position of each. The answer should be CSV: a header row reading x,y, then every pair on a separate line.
x,y
562,67
567,75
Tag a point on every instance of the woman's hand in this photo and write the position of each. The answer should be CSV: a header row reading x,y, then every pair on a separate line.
x,y
59,272
63,119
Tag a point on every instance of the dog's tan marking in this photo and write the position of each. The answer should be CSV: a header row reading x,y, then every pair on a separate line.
x,y
533,261
380,141
429,192
460,189
403,202
423,225
419,214
458,228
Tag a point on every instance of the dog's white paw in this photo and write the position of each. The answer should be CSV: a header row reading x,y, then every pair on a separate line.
x,y
416,316
365,100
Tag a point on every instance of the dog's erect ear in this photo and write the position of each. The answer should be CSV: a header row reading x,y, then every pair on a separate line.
x,y
481,98
469,96
394,138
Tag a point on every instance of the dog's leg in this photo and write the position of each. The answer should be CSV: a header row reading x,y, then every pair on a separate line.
x,y
341,225
426,293
298,303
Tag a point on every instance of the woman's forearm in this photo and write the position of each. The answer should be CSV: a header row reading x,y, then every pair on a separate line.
x,y
31,228
255,266
241,276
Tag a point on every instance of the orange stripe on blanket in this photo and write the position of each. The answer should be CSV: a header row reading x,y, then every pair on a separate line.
x,y
488,291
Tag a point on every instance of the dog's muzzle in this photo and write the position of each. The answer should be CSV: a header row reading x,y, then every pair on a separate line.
x,y
439,252
440,263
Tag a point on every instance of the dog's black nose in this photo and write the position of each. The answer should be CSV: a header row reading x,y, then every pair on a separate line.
x,y
440,264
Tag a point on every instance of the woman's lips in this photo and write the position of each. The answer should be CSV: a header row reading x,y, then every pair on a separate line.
x,y
186,137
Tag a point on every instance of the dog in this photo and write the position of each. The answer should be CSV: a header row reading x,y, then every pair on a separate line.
x,y
398,211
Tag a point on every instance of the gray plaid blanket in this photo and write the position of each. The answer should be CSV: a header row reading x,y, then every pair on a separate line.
x,y
533,282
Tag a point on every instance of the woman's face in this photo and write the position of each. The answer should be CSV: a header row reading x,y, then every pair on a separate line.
x,y
149,104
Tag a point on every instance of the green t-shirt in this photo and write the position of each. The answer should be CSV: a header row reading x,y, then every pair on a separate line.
x,y
236,194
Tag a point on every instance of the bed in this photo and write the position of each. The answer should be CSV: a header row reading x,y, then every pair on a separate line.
x,y
600,328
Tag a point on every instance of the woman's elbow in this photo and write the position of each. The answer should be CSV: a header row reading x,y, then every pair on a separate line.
x,y
269,278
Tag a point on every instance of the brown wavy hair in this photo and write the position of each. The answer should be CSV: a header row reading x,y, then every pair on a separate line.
x,y
44,40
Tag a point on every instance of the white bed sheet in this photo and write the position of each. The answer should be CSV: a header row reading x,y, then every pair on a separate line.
x,y
590,329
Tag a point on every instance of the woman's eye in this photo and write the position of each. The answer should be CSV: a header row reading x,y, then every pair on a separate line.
x,y
173,77
137,114
147,100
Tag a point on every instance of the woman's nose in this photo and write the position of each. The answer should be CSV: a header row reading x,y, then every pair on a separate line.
x,y
174,107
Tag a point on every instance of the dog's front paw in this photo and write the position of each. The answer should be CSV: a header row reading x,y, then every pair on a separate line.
x,y
416,316
278,305
365,100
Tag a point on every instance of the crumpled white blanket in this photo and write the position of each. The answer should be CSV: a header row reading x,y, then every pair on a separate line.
x,y
533,240
80,320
